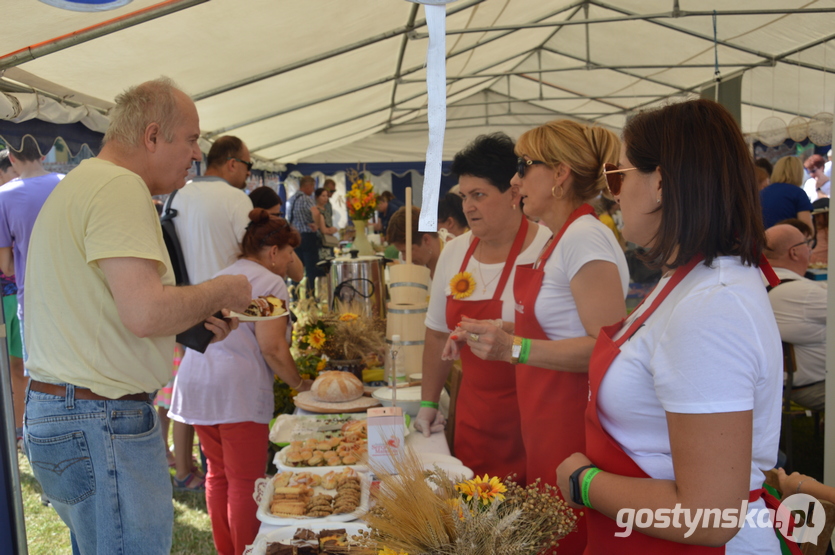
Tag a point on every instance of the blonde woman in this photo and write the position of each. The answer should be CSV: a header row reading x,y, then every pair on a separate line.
x,y
785,198
576,286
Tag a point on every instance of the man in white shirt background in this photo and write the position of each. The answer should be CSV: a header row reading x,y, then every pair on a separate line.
x,y
213,210
799,306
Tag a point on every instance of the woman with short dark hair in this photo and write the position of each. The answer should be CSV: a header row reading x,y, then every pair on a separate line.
x,y
474,277
684,407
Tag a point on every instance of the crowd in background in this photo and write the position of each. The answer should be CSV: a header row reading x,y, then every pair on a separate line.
x,y
531,270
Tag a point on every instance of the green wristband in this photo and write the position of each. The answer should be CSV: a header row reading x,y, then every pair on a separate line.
x,y
429,404
525,352
584,489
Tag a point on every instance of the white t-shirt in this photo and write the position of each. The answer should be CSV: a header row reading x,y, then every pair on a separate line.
x,y
231,381
810,187
711,346
211,222
449,264
800,310
585,240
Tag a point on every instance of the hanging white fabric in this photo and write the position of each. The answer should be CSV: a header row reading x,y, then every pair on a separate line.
x,y
435,11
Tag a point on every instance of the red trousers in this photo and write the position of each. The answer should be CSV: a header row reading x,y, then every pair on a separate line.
x,y
236,456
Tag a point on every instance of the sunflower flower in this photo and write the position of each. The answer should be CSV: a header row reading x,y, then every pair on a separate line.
x,y
462,285
484,489
348,317
316,338
388,551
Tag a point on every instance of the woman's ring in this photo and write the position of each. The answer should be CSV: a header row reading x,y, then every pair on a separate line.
x,y
474,337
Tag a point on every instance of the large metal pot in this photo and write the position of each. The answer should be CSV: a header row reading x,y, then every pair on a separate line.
x,y
358,279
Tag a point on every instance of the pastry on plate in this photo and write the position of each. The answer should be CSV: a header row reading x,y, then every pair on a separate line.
x,y
265,306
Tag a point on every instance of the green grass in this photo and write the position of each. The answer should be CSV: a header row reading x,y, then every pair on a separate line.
x,y
47,535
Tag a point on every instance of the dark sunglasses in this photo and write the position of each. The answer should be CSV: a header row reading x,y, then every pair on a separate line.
x,y
522,165
244,162
614,177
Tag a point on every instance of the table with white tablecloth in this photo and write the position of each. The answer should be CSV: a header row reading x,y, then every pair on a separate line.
x,y
435,444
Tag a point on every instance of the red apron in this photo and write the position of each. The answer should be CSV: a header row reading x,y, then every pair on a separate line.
x,y
605,452
551,403
487,412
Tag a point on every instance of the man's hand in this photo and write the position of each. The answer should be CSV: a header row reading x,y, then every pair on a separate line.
x,y
221,327
240,291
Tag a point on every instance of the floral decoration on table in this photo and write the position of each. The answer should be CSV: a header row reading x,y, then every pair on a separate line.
x,y
346,333
420,512
360,200
461,285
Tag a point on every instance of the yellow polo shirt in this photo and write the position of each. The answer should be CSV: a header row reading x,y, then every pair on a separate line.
x,y
72,330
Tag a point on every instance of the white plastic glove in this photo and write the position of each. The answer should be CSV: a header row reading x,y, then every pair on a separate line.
x,y
429,421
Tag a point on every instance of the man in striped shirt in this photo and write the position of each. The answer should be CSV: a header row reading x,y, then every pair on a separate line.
x,y
301,217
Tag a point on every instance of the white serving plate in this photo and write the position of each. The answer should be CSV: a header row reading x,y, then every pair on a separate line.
x,y
263,495
259,546
291,427
280,462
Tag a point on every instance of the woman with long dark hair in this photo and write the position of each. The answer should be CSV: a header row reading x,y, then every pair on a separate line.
x,y
684,408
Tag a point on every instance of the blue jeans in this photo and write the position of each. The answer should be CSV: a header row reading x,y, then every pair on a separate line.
x,y
308,253
102,465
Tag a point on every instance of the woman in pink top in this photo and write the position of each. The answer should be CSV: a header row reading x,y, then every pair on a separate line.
x,y
227,393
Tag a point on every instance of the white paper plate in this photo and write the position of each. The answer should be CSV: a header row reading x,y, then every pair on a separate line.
x,y
247,318
280,462
259,546
264,493
296,427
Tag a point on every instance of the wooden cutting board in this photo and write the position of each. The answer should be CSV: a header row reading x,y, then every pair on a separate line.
x,y
305,400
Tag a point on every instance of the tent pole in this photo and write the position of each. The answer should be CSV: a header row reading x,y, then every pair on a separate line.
x,y
403,43
95,31
347,92
326,55
629,17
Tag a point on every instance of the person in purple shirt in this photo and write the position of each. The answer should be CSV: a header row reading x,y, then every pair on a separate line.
x,y
21,200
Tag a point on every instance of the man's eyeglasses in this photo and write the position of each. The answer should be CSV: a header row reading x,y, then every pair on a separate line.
x,y
522,165
244,162
614,177
811,242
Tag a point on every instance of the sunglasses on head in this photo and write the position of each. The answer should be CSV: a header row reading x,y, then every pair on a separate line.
x,y
522,165
614,177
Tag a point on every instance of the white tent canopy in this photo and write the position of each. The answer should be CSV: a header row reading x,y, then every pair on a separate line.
x,y
344,81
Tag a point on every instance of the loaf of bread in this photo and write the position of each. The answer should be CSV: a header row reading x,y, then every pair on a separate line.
x,y
336,387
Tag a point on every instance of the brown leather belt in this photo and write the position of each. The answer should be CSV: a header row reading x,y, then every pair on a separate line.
x,y
83,394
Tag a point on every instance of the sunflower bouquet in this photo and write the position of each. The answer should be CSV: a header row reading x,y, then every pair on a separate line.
x,y
420,512
360,200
